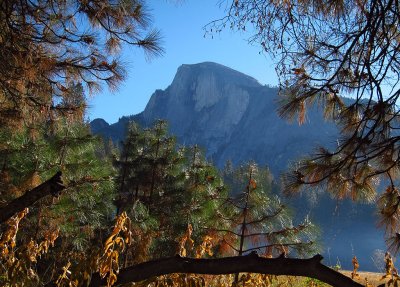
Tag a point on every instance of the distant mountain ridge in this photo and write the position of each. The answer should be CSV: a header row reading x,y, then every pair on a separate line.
x,y
231,115
234,118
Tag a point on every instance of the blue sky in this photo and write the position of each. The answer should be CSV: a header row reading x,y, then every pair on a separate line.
x,y
181,25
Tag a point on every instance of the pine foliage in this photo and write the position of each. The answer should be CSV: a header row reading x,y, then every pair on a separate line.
x,y
165,188
259,221
47,46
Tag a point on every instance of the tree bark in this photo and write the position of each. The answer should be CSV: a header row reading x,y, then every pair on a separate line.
x,y
53,187
252,263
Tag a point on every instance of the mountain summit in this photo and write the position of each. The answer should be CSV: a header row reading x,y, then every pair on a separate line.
x,y
206,88
233,116
204,104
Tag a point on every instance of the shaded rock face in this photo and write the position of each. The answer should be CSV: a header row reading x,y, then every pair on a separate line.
x,y
203,105
234,118
98,125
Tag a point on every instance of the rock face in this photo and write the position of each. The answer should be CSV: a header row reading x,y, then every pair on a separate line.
x,y
98,124
204,104
234,118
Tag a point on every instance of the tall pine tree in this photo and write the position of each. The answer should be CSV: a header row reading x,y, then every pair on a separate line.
x,y
258,220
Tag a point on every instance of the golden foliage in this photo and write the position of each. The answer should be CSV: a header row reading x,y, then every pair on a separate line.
x,y
108,263
178,280
196,280
64,279
35,250
391,271
356,265
18,262
186,242
205,247
7,241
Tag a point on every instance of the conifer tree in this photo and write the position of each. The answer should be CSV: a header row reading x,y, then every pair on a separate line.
x,y
148,167
127,180
196,198
33,153
203,184
259,221
167,186
147,156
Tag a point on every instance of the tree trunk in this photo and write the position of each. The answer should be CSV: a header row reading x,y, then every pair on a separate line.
x,y
244,223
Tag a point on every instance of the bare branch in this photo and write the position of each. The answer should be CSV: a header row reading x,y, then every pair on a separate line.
x,y
250,263
53,187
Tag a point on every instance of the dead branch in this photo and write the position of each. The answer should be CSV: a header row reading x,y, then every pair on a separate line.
x,y
251,263
53,187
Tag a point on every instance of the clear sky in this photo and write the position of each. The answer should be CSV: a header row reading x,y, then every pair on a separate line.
x,y
184,43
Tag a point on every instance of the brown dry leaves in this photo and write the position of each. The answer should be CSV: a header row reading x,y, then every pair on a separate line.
x,y
18,262
115,244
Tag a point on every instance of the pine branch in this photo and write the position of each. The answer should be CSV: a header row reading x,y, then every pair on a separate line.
x,y
284,231
293,245
266,216
53,187
250,263
223,230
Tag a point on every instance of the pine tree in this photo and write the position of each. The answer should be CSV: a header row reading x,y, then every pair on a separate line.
x,y
167,186
128,163
148,166
205,188
143,164
259,221
194,199
34,153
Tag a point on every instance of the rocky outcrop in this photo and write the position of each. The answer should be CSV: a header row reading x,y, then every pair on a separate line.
x,y
204,104
233,117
